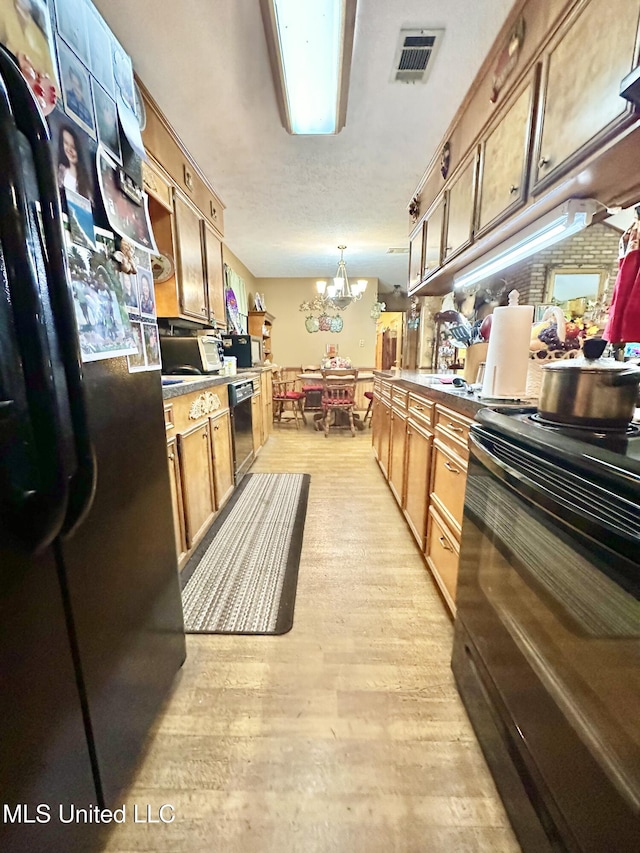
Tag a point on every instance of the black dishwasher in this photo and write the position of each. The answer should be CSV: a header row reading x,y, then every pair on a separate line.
x,y
240,394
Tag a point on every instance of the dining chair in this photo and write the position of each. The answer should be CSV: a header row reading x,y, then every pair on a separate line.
x,y
338,399
369,412
312,390
286,398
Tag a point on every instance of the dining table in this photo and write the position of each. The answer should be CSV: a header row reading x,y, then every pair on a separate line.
x,y
363,376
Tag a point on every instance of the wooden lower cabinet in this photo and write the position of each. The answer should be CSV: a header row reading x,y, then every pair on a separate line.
x,y
256,421
443,552
175,482
397,445
196,468
222,458
266,389
423,453
419,443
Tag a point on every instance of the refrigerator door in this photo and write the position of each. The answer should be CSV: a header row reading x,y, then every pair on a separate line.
x,y
121,570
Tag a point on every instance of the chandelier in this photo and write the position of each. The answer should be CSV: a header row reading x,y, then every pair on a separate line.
x,y
340,294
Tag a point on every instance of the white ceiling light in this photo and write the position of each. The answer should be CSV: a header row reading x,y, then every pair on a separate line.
x,y
571,217
310,45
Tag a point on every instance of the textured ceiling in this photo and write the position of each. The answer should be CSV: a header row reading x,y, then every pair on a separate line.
x,y
291,200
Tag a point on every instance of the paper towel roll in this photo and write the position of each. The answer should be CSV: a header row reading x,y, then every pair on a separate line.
x,y
505,376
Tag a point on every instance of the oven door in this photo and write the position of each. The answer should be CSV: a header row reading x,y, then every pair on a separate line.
x,y
549,623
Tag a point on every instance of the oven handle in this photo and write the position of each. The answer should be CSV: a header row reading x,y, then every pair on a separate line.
x,y
571,510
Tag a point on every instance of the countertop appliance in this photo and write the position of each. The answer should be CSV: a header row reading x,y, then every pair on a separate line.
x,y
202,352
547,633
246,348
240,393
91,632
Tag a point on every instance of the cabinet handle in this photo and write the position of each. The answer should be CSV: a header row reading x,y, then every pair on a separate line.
x,y
171,457
418,408
445,544
204,310
205,434
216,428
542,162
455,428
450,467
513,189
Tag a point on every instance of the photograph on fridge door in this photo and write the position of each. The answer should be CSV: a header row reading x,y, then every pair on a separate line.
x,y
104,328
107,121
147,296
25,29
126,217
151,345
76,89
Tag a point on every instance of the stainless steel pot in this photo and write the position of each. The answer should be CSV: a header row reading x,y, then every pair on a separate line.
x,y
591,391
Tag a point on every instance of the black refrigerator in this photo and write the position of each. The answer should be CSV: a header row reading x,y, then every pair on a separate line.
x,y
91,630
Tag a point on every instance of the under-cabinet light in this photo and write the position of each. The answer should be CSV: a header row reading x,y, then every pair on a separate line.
x,y
558,224
310,45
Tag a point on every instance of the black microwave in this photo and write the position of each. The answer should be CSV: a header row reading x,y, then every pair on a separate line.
x,y
246,348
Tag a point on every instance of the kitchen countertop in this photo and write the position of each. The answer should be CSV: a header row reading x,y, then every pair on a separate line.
x,y
201,383
447,394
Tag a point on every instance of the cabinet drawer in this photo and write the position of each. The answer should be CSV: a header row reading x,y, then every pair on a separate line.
x,y
156,185
442,554
453,430
420,409
385,391
168,417
399,398
448,484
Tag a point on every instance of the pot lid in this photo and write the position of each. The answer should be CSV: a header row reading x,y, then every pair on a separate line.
x,y
592,362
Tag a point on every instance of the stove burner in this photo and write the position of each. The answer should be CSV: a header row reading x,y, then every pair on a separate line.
x,y
630,431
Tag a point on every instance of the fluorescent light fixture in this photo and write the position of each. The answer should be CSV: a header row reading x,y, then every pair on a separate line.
x,y
571,217
310,44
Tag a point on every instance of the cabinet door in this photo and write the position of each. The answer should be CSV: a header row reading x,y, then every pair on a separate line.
x,y
583,70
504,162
398,435
215,277
460,210
190,271
197,481
176,500
416,265
222,457
266,385
442,553
448,485
417,487
384,424
433,239
256,421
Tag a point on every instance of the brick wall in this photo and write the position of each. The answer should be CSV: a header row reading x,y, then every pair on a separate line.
x,y
595,247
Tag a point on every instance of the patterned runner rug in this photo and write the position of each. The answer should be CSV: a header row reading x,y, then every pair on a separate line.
x,y
242,577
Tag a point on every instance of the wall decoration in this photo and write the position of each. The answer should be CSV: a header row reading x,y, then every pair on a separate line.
x,y
414,208
25,28
76,89
107,121
233,313
128,219
507,58
445,159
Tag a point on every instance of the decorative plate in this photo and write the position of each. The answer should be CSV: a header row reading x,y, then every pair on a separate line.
x,y
139,107
233,312
162,267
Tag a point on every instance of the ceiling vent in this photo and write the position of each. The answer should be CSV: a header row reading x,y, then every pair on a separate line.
x,y
415,54
398,250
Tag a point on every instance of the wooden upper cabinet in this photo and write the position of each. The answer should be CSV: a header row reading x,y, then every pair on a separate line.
x,y
416,247
215,276
433,238
190,266
460,210
581,106
505,161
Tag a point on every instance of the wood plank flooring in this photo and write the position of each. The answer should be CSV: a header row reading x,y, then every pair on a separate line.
x,y
346,734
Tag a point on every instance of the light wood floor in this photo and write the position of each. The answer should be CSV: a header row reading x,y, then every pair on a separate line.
x,y
347,734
